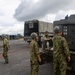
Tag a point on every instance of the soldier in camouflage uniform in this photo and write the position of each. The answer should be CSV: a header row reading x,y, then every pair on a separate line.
x,y
34,54
46,36
5,48
61,53
45,41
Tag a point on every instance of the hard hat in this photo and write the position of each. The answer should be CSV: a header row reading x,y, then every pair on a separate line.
x,y
33,35
57,29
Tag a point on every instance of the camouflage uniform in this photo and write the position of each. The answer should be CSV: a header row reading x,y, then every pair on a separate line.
x,y
34,50
45,42
60,55
5,49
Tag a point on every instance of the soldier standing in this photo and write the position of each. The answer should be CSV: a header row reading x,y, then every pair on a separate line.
x,y
34,54
5,48
60,53
45,41
46,36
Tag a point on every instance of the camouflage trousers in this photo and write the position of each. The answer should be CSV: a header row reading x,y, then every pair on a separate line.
x,y
34,68
60,67
5,54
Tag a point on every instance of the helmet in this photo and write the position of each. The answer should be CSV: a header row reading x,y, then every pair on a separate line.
x,y
33,35
57,29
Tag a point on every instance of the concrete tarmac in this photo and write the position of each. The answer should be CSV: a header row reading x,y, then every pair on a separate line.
x,y
19,61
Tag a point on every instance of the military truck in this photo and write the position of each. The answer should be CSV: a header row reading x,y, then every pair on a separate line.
x,y
68,29
37,26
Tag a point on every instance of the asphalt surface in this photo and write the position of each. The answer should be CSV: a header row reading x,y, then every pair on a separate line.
x,y
19,61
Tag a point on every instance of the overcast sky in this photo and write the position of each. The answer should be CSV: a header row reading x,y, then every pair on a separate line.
x,y
13,13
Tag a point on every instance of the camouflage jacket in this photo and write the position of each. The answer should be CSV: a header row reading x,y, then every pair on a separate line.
x,y
60,46
45,38
5,43
34,50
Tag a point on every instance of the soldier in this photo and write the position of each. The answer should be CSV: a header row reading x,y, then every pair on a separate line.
x,y
5,48
46,45
46,36
45,41
60,53
34,54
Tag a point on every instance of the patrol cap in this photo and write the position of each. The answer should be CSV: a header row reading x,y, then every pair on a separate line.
x,y
57,29
33,35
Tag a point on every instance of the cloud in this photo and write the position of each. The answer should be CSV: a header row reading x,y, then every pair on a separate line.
x,y
22,10
1,14
14,29
35,9
61,14
8,24
7,10
48,18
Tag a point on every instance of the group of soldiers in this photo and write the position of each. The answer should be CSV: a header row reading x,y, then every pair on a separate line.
x,y
61,54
